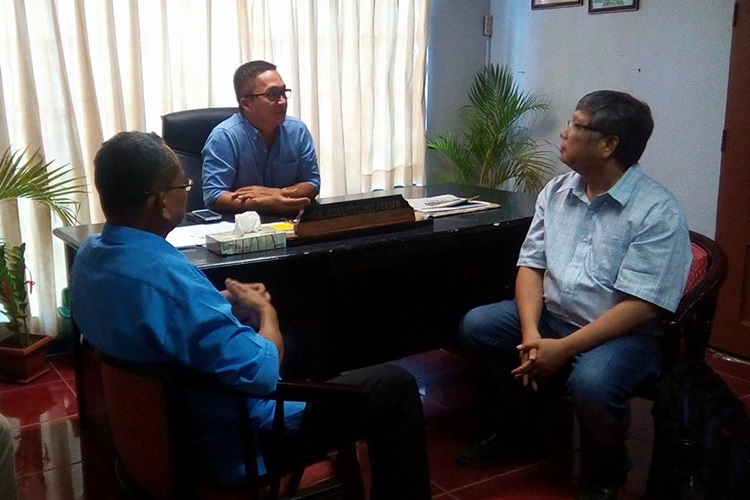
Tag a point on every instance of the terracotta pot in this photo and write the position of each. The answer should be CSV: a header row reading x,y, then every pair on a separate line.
x,y
23,364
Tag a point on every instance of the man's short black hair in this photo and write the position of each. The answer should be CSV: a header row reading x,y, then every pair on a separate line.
x,y
618,113
127,166
247,73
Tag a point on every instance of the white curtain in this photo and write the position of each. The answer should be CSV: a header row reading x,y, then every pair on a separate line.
x,y
73,73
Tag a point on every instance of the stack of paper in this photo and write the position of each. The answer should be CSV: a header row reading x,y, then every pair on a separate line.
x,y
447,204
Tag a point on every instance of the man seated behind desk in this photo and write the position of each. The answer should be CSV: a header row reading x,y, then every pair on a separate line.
x,y
259,159
136,297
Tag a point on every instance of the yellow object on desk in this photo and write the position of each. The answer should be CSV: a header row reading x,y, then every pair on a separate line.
x,y
281,226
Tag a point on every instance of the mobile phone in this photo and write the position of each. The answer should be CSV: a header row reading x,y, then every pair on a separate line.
x,y
204,216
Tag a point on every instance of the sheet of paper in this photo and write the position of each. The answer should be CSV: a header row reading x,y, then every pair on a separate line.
x,y
448,204
464,208
190,236
434,202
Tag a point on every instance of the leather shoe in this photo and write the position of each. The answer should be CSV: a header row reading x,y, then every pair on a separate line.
x,y
604,481
593,491
491,452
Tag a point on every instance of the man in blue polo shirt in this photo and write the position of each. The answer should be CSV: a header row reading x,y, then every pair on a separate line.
x,y
136,297
608,251
260,159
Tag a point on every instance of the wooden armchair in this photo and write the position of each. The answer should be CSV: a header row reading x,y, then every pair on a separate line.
x,y
148,420
687,331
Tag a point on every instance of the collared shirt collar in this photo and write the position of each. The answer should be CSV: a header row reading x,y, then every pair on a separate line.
x,y
621,192
126,234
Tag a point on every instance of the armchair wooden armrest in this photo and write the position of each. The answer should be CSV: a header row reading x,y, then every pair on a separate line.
x,y
687,331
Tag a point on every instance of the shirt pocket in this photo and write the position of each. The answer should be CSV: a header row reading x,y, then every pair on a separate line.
x,y
283,174
607,254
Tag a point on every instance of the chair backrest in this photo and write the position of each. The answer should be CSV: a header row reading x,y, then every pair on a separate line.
x,y
139,420
689,328
148,419
186,133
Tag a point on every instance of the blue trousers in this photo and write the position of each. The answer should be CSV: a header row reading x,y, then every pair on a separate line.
x,y
600,381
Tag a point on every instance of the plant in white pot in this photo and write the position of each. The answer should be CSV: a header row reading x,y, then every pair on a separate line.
x,y
22,353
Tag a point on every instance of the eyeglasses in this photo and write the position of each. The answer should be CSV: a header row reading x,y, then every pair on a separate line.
x,y
273,95
187,187
579,126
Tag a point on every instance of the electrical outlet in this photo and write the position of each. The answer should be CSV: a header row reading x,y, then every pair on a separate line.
x,y
487,28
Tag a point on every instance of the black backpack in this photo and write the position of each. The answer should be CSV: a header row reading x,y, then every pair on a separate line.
x,y
701,438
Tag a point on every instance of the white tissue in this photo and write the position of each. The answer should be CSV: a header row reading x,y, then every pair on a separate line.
x,y
246,222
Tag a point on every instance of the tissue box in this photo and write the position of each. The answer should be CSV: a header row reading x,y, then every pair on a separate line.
x,y
229,244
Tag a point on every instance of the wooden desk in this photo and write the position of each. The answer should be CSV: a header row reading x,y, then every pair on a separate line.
x,y
363,299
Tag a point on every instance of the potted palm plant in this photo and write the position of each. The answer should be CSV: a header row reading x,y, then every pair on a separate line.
x,y
23,353
497,146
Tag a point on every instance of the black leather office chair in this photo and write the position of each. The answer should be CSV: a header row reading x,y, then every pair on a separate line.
x,y
186,132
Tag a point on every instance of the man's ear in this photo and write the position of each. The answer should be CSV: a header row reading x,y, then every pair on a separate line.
x,y
156,206
245,104
166,209
610,145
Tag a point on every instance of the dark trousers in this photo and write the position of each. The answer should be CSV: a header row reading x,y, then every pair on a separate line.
x,y
390,420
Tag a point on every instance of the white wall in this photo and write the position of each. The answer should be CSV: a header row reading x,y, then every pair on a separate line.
x,y
457,50
673,54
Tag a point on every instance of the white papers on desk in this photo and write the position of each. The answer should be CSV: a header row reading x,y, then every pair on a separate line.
x,y
190,236
436,202
447,204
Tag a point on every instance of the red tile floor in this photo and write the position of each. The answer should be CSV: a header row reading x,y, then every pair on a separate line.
x,y
54,462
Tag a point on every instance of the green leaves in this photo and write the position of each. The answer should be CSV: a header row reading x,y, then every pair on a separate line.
x,y
497,145
52,187
13,293
36,180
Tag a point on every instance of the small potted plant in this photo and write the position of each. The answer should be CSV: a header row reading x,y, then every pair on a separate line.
x,y
23,353
497,145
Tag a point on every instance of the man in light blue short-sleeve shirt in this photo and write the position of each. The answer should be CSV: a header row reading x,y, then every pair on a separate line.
x,y
260,159
607,253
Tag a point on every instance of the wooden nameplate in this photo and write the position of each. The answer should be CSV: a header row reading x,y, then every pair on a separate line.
x,y
339,217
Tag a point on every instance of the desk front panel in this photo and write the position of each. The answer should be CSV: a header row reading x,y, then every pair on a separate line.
x,y
343,310
374,297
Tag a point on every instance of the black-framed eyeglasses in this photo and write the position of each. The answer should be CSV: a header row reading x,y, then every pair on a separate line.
x,y
273,95
579,126
187,187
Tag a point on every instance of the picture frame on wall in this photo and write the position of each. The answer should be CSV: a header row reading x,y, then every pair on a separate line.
x,y
545,4
601,6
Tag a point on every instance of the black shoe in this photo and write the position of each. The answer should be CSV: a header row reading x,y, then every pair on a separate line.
x,y
593,491
491,452
607,478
